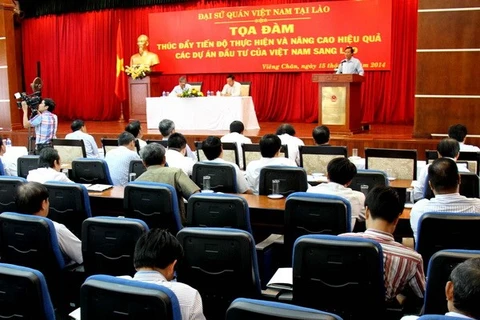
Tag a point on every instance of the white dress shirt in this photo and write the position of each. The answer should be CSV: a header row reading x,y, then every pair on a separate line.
x,y
254,167
239,139
292,145
350,66
10,159
242,185
234,90
452,202
356,198
178,90
70,245
43,175
468,147
177,160
90,145
118,161
189,299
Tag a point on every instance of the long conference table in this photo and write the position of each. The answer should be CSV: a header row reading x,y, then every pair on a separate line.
x,y
266,215
202,113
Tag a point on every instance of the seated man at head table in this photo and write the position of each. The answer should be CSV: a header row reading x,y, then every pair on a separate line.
x,y
181,87
166,128
212,148
462,291
79,131
153,157
32,198
49,167
270,146
232,88
340,172
403,267
118,159
444,180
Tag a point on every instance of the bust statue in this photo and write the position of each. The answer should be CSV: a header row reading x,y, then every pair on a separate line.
x,y
144,57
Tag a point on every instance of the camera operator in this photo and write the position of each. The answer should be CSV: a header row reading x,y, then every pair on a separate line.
x,y
44,122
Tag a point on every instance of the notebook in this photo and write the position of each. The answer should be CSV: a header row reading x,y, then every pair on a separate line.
x,y
99,187
282,279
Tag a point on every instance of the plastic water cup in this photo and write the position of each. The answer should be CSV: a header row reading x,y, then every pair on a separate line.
x,y
275,186
364,189
132,176
206,182
354,152
409,196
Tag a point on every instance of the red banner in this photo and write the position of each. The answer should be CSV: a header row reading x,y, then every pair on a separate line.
x,y
290,37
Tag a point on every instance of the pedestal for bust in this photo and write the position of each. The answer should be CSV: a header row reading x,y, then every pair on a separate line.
x,y
139,90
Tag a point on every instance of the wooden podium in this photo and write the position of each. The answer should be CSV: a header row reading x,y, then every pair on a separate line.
x,y
139,90
339,102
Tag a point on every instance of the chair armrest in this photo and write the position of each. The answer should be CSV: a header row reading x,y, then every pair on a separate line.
x,y
268,257
267,243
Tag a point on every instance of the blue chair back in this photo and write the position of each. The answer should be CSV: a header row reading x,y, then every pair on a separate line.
x,y
218,210
2,169
90,170
69,204
253,309
108,244
440,266
153,202
438,317
8,192
446,230
221,263
108,297
339,270
24,294
292,179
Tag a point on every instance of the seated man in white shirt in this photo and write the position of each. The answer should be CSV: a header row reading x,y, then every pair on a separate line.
x,y
446,148
175,154
118,159
270,145
182,86
32,198
459,133
212,148
166,128
286,133
135,128
232,88
462,291
321,135
79,131
340,172
155,256
236,135
444,180
49,167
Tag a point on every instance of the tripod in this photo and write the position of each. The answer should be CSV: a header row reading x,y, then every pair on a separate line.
x,y
31,146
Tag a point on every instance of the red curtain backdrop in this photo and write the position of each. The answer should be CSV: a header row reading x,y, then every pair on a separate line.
x,y
77,55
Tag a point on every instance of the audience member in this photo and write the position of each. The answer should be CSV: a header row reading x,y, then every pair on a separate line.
x,y
270,145
462,291
446,148
32,198
44,122
49,167
444,180
9,166
3,149
182,86
118,159
459,133
176,153
402,266
166,128
340,172
236,135
321,135
79,131
212,148
135,128
286,133
153,157
156,254
232,88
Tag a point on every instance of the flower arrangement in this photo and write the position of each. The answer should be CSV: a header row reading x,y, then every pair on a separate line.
x,y
138,71
191,93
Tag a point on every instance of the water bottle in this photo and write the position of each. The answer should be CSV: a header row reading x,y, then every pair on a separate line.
x,y
8,143
208,93
164,94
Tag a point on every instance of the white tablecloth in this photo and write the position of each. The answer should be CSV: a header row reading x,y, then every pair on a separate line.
x,y
203,113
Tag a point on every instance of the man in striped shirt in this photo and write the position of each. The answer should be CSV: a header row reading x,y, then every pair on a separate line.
x,y
445,182
403,267
45,123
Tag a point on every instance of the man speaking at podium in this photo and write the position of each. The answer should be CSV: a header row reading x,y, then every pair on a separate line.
x,y
350,64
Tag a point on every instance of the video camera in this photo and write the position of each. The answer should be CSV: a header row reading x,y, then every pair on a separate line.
x,y
34,99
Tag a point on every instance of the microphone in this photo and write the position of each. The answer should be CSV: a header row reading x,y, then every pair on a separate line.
x,y
343,61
